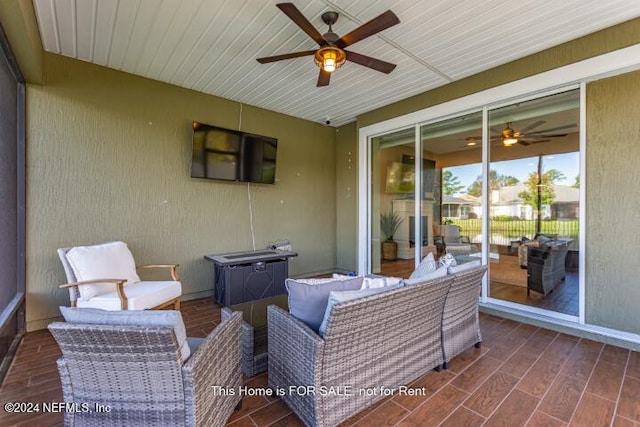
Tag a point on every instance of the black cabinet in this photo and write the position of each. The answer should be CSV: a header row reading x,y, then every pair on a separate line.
x,y
248,276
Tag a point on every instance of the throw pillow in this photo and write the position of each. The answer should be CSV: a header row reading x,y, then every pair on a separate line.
x,y
337,297
373,281
95,316
308,302
427,265
111,260
447,260
436,274
464,267
323,280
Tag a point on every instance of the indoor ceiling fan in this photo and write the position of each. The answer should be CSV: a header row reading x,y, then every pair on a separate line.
x,y
509,137
332,54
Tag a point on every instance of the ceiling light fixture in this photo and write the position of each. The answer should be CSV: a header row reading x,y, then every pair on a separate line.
x,y
509,137
471,142
330,58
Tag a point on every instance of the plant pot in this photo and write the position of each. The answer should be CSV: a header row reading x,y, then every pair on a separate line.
x,y
389,250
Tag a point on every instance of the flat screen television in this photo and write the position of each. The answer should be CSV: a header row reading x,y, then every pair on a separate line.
x,y
232,155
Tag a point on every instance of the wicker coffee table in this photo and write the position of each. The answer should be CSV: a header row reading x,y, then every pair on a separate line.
x,y
254,331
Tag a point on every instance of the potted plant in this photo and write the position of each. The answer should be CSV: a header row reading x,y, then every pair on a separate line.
x,y
389,223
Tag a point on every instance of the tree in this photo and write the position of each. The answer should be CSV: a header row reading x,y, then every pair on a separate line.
x,y
450,183
545,186
496,182
576,183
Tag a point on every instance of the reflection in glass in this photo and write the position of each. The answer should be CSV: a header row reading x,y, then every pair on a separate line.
x,y
534,202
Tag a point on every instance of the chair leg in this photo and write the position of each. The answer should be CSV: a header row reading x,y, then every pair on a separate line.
x,y
478,344
177,304
445,365
437,368
239,406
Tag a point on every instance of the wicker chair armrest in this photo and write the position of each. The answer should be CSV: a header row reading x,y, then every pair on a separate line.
x,y
295,350
212,375
173,268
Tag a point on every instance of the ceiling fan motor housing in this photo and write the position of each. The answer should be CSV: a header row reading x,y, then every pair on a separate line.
x,y
330,18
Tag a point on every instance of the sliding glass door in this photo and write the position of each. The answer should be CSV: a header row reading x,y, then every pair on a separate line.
x,y
534,202
393,178
500,184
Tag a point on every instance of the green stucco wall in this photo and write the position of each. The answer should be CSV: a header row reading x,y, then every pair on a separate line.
x,y
109,159
613,205
347,197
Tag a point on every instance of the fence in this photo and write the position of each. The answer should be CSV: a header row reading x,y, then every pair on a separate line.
x,y
502,232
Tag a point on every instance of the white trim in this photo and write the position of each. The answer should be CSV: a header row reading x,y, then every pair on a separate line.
x,y
364,206
582,301
628,337
612,63
486,144
536,312
417,214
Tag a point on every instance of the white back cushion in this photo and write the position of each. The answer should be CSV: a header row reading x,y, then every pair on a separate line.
x,y
111,260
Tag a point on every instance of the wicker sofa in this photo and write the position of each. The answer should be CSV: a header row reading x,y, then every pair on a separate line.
x,y
380,342
545,267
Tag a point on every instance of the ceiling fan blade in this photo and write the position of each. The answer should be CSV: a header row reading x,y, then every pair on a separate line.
x,y
557,135
539,141
275,58
373,63
532,126
545,131
301,21
323,78
523,142
377,24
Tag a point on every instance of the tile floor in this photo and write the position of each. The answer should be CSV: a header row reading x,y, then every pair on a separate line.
x,y
521,376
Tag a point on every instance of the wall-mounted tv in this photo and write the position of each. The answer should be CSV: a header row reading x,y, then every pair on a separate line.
x,y
232,155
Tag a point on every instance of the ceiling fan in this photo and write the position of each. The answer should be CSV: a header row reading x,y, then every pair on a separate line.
x,y
332,54
509,137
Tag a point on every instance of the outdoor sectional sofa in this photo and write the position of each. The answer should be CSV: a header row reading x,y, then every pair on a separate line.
x,y
372,346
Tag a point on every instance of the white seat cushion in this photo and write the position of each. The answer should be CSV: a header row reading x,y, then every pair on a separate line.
x,y
140,296
111,260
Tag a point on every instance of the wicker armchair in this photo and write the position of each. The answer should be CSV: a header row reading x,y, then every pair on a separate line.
x,y
382,341
138,374
460,321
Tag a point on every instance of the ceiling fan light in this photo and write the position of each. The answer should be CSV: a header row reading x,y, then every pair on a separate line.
x,y
329,64
330,58
508,142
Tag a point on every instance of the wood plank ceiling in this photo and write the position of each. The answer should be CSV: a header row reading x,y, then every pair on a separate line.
x,y
211,45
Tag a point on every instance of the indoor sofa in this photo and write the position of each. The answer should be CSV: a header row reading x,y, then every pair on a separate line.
x,y
372,346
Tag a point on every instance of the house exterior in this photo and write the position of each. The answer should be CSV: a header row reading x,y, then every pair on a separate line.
x,y
507,202
461,207
108,159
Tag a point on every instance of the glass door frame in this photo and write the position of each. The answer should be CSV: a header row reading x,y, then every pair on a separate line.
x,y
554,81
444,112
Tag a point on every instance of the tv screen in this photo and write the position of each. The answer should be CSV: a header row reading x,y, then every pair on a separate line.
x,y
232,155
